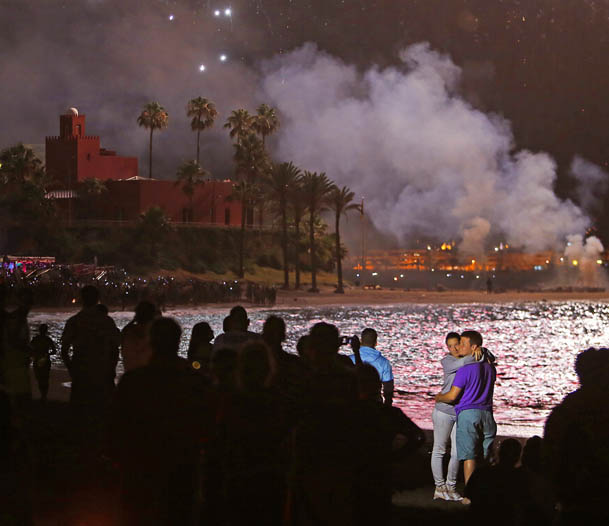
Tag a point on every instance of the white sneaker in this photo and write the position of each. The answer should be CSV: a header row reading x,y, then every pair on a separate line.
x,y
453,494
440,493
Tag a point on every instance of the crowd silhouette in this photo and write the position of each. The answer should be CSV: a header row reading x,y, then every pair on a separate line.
x,y
243,431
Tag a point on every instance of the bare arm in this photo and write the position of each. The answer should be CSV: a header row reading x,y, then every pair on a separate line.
x,y
450,397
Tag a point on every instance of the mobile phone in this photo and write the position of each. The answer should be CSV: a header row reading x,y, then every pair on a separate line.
x,y
345,340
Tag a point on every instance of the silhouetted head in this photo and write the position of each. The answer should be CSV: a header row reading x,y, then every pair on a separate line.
x,y
531,454
592,367
324,339
509,452
89,296
369,337
43,329
102,308
239,320
255,367
368,382
227,324
273,331
201,333
145,311
165,334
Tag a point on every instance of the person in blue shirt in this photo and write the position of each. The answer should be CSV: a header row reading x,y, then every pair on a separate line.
x,y
370,355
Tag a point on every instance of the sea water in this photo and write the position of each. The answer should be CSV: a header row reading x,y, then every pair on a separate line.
x,y
535,344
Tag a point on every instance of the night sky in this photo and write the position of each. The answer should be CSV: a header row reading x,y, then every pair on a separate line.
x,y
541,64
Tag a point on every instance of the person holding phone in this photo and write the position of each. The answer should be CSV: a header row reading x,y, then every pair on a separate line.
x,y
369,354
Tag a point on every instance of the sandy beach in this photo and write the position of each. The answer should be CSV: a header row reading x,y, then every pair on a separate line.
x,y
360,296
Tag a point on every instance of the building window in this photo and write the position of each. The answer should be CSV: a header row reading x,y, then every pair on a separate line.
x,y
78,130
227,216
88,157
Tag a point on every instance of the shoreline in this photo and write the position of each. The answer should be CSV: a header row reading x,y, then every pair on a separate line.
x,y
360,297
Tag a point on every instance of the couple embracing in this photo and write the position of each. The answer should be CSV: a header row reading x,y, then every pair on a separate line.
x,y
463,413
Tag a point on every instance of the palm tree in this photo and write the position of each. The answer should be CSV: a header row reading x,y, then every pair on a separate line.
x,y
18,164
246,192
340,200
277,185
203,113
250,157
189,176
152,231
153,117
239,123
297,208
265,122
316,188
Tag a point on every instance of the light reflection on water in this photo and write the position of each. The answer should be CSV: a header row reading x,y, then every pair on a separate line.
x,y
535,345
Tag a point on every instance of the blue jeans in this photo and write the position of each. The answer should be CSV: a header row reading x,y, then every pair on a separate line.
x,y
476,431
444,429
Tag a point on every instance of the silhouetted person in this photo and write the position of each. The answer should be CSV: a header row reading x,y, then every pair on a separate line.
x,y
42,347
16,351
498,493
135,345
200,347
341,461
160,420
541,502
576,443
89,349
292,379
238,332
252,433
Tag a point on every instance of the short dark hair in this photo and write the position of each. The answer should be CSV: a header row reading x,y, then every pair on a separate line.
x,y
473,336
89,295
238,317
452,335
43,329
324,338
165,334
273,330
369,333
592,366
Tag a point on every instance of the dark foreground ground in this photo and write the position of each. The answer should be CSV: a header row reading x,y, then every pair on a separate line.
x,y
72,484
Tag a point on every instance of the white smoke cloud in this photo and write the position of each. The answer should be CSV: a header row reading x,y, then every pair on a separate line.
x,y
593,182
425,160
584,253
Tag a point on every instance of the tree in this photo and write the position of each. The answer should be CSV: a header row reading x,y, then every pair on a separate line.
x,y
152,231
250,157
19,164
297,208
89,191
340,200
203,113
277,185
189,176
239,123
265,122
316,188
153,117
247,193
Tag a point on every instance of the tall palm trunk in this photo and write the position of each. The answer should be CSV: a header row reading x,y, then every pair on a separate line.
x,y
150,156
191,217
198,137
339,263
242,238
313,255
284,245
297,247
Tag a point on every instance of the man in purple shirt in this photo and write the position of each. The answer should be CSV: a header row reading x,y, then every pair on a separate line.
x,y
472,394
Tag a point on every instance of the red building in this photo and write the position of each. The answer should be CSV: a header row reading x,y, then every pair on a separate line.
x,y
74,157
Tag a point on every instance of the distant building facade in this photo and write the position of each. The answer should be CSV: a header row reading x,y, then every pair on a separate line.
x,y
74,157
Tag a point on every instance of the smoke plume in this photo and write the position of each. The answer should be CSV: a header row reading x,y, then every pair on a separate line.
x,y
592,184
425,160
